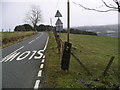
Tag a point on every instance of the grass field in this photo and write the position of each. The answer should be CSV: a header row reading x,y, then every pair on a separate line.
x,y
94,52
9,38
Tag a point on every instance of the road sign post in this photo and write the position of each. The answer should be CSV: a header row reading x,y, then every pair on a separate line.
x,y
67,46
68,21
65,60
59,27
66,56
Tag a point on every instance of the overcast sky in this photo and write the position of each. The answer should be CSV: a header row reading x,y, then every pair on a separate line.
x,y
13,12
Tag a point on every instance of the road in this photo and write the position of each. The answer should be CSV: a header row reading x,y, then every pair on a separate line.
x,y
21,62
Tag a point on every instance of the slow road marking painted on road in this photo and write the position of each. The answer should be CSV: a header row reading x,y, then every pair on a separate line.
x,y
34,52
23,55
11,56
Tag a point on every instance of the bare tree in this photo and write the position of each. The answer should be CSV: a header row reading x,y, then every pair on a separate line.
x,y
34,16
109,6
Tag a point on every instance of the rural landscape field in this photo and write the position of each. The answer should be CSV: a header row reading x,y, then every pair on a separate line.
x,y
9,38
94,52
59,44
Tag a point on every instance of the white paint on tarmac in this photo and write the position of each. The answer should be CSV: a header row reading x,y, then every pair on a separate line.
x,y
43,61
19,49
26,54
37,84
34,52
6,58
46,43
31,41
10,57
41,66
40,54
13,56
41,34
40,73
37,37
44,57
22,56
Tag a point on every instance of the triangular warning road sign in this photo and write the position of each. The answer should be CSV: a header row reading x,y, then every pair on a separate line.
x,y
59,22
58,14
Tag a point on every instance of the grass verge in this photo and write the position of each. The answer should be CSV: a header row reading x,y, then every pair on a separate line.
x,y
94,52
9,38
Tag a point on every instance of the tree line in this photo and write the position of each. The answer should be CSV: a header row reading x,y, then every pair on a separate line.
x,y
41,27
77,31
27,27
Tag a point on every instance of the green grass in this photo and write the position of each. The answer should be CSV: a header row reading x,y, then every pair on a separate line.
x,y
9,38
93,51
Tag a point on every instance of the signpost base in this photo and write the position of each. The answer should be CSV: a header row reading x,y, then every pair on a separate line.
x,y
66,56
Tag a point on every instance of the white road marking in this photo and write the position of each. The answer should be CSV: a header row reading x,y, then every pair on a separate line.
x,y
31,41
43,60
21,58
34,52
46,43
6,58
44,57
37,37
41,66
41,34
37,84
40,52
12,57
19,49
40,73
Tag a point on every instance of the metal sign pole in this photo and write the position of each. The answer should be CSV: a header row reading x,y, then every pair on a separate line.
x,y
68,24
51,21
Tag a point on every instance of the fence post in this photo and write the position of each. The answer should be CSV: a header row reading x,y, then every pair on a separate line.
x,y
66,56
108,66
81,64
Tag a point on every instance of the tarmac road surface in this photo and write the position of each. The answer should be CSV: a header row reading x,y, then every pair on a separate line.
x,y
21,62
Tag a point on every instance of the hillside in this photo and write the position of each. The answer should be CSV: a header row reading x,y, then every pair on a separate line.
x,y
104,30
94,52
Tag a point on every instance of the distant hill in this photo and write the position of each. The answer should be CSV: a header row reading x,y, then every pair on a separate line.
x,y
104,30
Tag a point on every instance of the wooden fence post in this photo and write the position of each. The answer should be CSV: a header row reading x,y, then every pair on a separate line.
x,y
81,64
66,56
108,66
